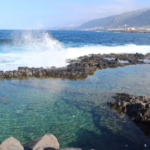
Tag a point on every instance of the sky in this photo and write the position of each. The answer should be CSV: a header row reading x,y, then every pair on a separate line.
x,y
37,14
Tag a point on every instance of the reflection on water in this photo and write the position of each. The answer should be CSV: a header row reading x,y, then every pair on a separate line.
x,y
123,62
146,61
74,110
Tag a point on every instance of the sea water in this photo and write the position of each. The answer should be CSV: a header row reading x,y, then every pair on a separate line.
x,y
75,111
53,48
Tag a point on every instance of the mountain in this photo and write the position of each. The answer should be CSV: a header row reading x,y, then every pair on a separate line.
x,y
140,18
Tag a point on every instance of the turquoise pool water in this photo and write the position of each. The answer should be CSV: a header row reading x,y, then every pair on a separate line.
x,y
75,111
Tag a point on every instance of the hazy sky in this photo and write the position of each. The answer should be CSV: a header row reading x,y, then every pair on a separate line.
x,y
30,14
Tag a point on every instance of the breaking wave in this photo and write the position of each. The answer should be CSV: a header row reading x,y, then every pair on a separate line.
x,y
42,50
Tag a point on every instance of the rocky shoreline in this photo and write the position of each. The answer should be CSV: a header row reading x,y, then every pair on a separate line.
x,y
136,107
79,68
46,142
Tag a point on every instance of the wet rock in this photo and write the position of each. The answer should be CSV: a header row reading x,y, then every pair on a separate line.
x,y
41,143
80,68
124,109
28,72
147,55
11,144
137,107
39,72
139,56
147,113
22,71
135,116
117,60
15,74
8,74
2,74
134,108
124,104
147,105
50,72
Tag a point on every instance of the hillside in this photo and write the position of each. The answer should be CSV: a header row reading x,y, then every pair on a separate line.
x,y
139,18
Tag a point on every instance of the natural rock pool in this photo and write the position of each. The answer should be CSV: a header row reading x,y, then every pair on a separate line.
x,y
75,111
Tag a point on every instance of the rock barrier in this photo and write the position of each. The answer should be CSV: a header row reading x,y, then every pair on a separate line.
x,y
79,68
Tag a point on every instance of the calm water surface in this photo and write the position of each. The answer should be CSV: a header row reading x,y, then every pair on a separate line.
x,y
75,111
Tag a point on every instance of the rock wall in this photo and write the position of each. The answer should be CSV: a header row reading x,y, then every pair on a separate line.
x,y
79,68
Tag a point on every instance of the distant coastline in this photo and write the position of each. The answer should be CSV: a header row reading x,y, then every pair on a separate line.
x,y
128,31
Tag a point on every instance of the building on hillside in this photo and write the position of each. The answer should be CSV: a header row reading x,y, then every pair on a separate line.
x,y
131,29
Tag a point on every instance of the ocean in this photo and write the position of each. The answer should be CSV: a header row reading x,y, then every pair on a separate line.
x,y
75,111
45,48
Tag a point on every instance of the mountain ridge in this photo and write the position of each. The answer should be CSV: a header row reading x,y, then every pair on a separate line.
x,y
138,18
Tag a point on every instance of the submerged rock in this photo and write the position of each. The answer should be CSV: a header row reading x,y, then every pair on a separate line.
x,y
4,100
136,107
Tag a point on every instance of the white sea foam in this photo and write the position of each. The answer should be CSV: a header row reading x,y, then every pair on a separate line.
x,y
45,51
